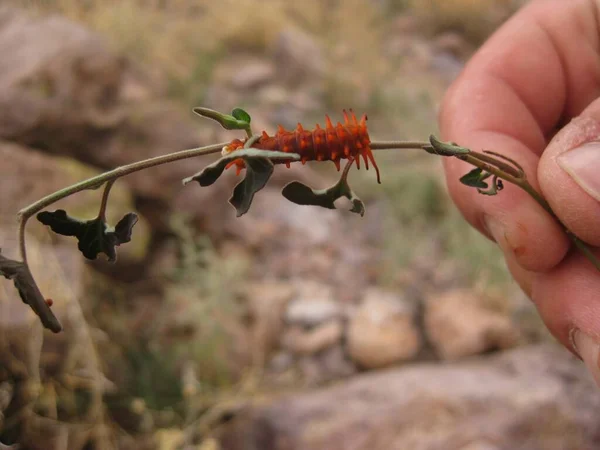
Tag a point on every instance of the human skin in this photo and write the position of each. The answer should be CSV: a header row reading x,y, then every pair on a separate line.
x,y
532,93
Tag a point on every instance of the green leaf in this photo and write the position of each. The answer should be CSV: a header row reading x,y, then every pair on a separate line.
x,y
445,148
241,115
229,122
301,194
258,172
29,292
475,179
94,236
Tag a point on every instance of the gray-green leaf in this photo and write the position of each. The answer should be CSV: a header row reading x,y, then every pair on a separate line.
x,y
29,292
94,235
301,194
258,172
211,173
259,168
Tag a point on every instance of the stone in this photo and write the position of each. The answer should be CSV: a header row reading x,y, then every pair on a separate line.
x,y
281,361
382,331
267,302
298,56
458,324
314,305
537,397
335,363
64,90
252,75
308,342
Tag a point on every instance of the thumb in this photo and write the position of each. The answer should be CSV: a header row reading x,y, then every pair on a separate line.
x,y
569,175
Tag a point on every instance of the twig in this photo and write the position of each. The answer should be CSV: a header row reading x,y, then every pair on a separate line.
x,y
104,203
99,180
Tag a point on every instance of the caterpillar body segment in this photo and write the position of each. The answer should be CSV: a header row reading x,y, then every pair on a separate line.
x,y
349,140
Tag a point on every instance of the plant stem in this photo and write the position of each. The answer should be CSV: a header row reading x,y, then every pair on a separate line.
x,y
500,169
475,159
107,177
393,145
21,238
104,203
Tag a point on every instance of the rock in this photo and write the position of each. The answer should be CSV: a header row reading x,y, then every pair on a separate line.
x,y
453,43
311,371
538,397
405,24
267,302
314,305
253,75
447,65
64,90
297,56
335,364
458,324
281,361
382,331
308,342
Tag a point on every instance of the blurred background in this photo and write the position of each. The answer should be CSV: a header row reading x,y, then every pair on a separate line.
x,y
291,328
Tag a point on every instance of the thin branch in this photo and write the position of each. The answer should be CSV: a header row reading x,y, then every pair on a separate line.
x,y
21,238
104,203
489,162
395,145
99,180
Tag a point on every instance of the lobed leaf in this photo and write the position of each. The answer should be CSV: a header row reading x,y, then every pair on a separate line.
x,y
94,236
302,194
258,172
211,173
259,168
29,292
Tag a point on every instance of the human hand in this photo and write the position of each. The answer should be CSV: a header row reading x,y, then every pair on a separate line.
x,y
532,93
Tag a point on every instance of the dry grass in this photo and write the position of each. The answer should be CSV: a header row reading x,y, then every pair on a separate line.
x,y
475,19
184,38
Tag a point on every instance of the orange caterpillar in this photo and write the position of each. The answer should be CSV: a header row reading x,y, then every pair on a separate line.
x,y
349,141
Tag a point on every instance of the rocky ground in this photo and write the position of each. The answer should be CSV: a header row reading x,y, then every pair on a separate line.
x,y
290,328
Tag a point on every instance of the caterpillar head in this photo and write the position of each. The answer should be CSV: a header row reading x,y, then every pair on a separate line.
x,y
232,146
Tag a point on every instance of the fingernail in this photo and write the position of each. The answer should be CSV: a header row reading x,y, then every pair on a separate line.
x,y
589,350
583,165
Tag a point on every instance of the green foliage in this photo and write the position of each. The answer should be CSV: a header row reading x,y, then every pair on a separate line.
x,y
238,120
421,219
207,286
94,236
475,178
415,197
153,376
